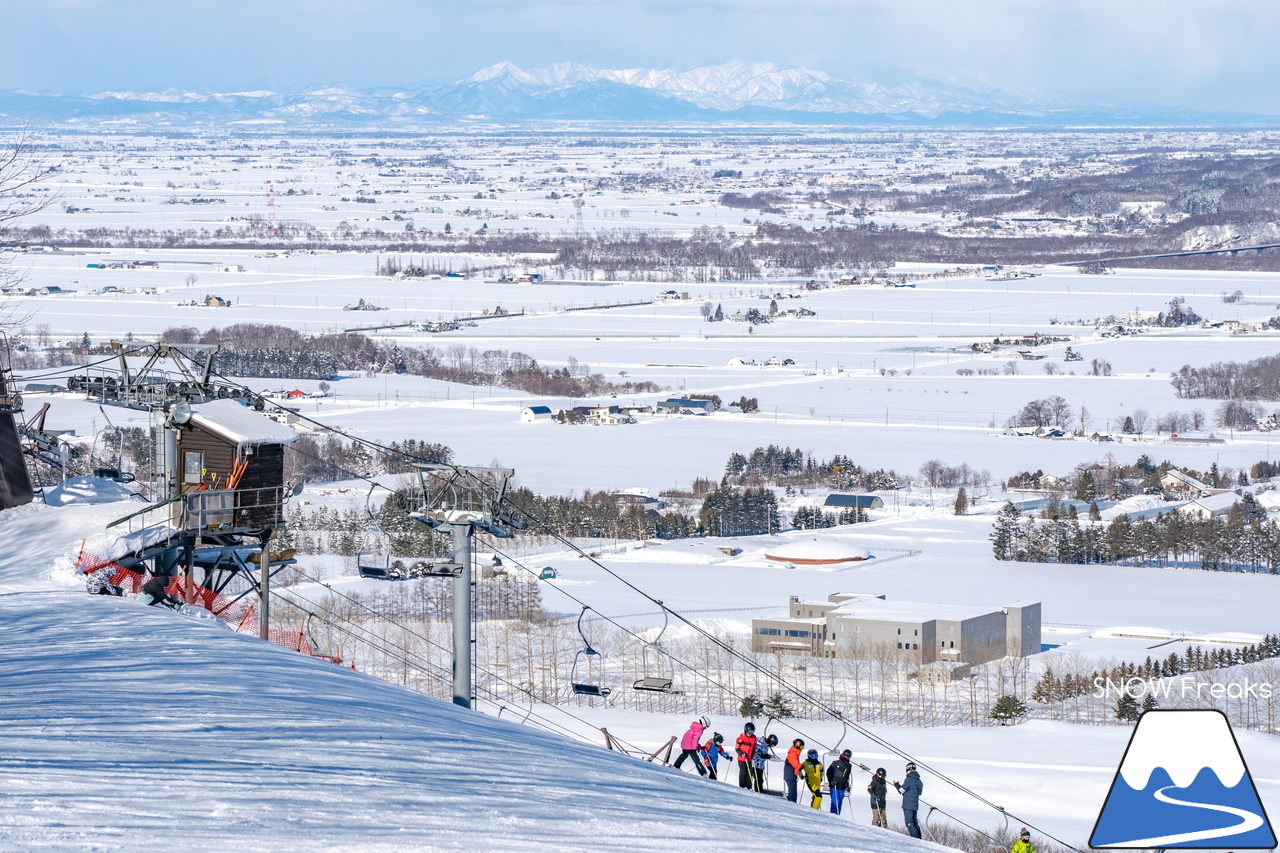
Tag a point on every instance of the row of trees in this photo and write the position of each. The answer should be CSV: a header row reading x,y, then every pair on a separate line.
x,y
298,356
815,518
1055,686
1258,379
1239,541
331,457
793,467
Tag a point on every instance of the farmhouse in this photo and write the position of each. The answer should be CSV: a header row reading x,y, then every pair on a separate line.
x,y
1178,484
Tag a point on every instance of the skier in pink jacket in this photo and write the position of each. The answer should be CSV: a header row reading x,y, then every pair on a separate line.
x,y
691,743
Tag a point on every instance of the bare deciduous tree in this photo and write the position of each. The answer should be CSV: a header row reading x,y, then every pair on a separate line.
x,y
21,168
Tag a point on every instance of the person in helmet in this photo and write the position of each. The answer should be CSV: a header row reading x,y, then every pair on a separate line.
x,y
764,752
691,743
840,780
745,747
910,788
811,772
878,789
712,751
791,768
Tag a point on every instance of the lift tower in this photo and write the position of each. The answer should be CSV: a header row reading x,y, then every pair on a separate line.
x,y
460,500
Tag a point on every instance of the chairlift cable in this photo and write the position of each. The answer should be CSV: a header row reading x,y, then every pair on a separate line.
x,y
428,668
440,647
778,679
801,694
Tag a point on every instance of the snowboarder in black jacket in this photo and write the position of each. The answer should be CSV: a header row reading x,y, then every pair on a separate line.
x,y
156,591
878,789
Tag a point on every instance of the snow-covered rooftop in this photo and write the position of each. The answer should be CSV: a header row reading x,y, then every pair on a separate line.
x,y
240,424
817,550
908,611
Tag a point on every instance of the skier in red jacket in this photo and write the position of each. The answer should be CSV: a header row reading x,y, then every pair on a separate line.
x,y
746,749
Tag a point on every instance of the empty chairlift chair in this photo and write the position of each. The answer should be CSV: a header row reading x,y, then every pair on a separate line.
x,y
834,752
659,671
580,678
381,565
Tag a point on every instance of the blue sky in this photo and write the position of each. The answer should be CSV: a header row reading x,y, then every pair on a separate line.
x,y
1216,55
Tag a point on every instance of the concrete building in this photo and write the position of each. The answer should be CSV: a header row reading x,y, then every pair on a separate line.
x,y
862,625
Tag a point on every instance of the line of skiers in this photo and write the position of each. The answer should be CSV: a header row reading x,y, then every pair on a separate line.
x,y
754,753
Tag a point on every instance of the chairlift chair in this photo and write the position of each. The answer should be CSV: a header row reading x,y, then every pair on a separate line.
x,y
374,565
380,565
582,660
658,670
834,752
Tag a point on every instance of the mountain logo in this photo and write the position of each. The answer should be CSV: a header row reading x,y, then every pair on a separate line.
x,y
1183,783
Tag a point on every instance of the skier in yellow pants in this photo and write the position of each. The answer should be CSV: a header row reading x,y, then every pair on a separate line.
x,y
811,772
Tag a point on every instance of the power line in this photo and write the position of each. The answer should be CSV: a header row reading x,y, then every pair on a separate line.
x,y
440,647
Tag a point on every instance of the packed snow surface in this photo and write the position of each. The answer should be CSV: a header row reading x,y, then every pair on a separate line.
x,y
126,728
88,490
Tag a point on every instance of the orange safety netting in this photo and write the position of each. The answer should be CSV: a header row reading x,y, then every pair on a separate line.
x,y
240,615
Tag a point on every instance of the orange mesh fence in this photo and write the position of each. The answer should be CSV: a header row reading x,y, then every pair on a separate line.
x,y
241,615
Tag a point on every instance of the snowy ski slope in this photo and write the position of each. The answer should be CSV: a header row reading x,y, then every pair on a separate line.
x,y
123,728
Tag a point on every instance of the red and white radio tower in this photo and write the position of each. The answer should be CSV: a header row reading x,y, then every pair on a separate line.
x,y
271,209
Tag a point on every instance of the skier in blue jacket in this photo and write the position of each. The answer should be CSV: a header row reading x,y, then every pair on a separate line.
x,y
910,788
712,751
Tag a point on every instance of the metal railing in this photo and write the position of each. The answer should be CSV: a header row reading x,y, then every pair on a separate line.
x,y
231,509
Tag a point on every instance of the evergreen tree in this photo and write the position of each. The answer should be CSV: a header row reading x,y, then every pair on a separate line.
x,y
718,315
751,707
778,707
1126,708
1149,703
1007,709
1128,428
1004,531
1086,489
962,502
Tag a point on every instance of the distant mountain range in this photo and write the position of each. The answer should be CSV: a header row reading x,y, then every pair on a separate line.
x,y
568,91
